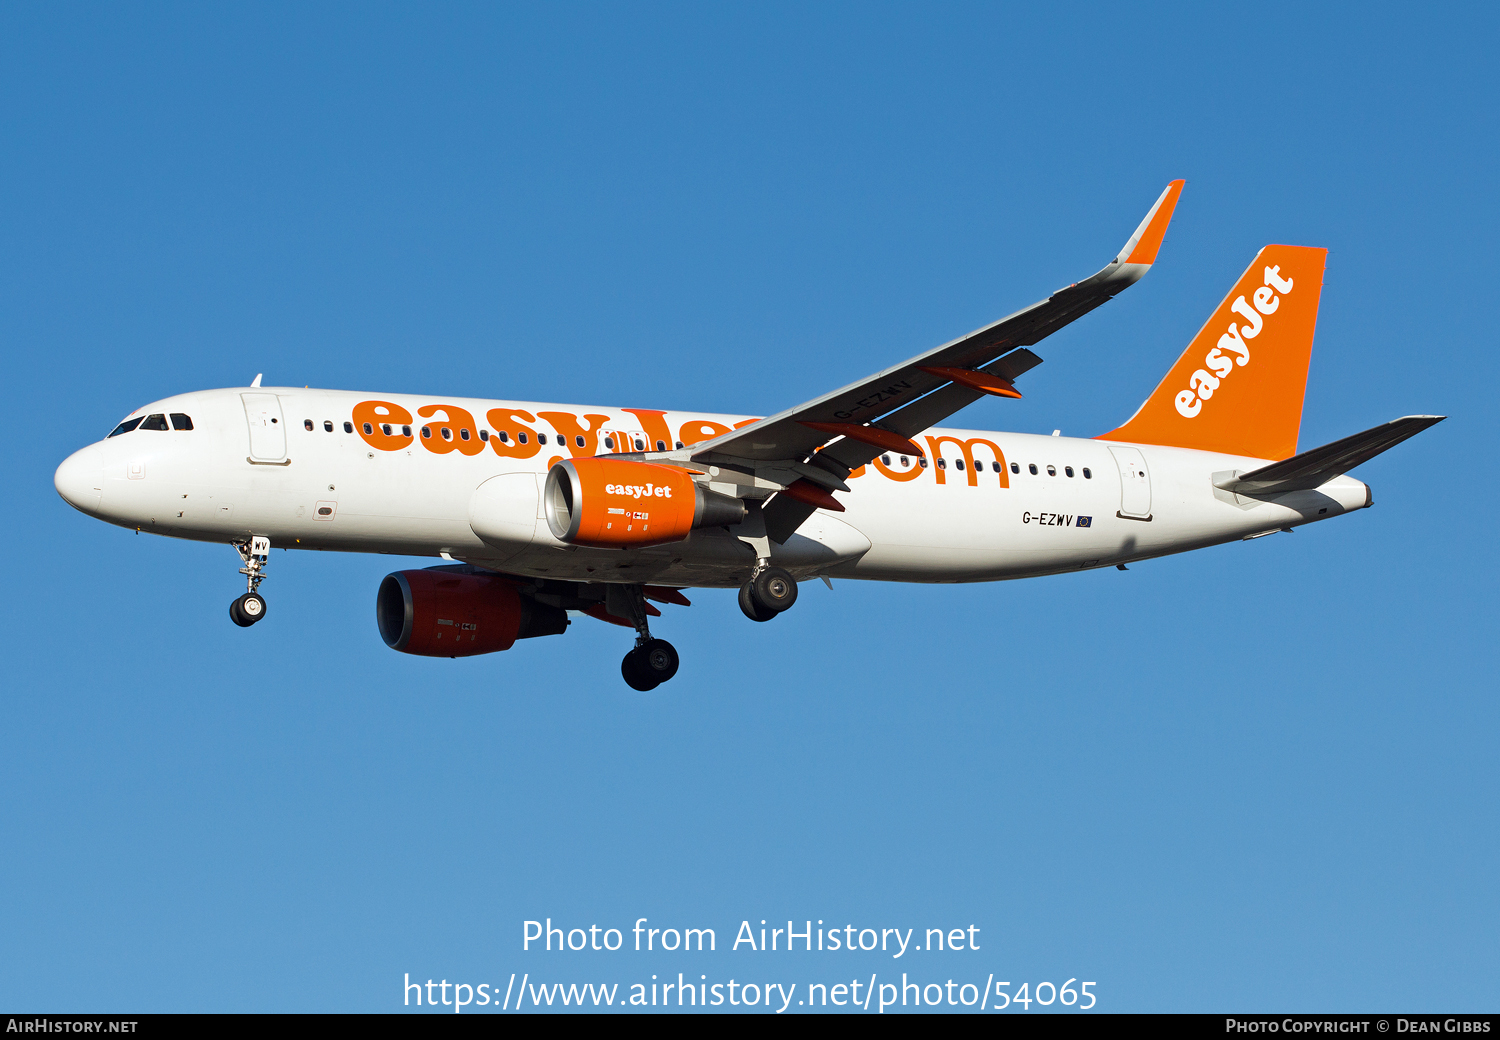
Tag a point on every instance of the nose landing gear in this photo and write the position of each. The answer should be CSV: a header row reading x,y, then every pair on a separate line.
x,y
653,661
771,591
247,610
251,607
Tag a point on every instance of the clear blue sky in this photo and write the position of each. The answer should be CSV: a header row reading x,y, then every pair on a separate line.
x,y
1261,776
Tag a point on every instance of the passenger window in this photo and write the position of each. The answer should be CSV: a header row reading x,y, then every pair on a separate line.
x,y
1068,470
522,438
369,430
541,438
679,445
1051,471
385,428
609,442
125,427
327,425
942,463
904,461
155,422
922,463
447,433
307,425
181,422
1032,467
463,434
1015,467
661,445
348,427
427,433
1086,474
406,431
484,435
578,439
504,437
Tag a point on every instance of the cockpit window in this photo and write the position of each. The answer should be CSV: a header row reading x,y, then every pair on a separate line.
x,y
125,427
155,422
181,422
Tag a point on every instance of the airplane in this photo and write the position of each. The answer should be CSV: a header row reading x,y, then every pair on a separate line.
x,y
547,512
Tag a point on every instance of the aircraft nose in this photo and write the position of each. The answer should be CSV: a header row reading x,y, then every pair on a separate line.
x,y
80,479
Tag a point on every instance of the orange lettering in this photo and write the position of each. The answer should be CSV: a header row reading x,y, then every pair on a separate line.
x,y
511,447
568,430
897,475
456,431
700,430
371,418
655,427
935,444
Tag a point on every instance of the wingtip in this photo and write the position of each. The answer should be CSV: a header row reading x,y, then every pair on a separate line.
x,y
1146,241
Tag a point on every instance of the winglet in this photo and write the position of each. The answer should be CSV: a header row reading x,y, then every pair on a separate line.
x,y
1143,245
256,384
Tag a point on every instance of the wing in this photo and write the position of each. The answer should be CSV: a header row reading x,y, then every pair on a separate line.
x,y
879,413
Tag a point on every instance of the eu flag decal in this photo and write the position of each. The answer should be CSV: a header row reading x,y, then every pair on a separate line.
x,y
1084,521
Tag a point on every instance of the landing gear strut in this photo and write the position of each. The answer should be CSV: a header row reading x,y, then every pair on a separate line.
x,y
653,661
769,592
251,607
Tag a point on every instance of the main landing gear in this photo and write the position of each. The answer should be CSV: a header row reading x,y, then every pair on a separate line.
x,y
251,607
653,661
769,592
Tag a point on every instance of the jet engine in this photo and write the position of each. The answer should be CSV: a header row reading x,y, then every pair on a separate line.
x,y
457,612
622,504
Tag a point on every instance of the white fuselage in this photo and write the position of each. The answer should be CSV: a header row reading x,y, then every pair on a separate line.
x,y
956,519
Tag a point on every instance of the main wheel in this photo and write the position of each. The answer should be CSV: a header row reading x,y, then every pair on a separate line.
x,y
648,666
773,589
658,660
633,674
753,612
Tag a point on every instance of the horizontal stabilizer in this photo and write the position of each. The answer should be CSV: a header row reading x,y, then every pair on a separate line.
x,y
1314,468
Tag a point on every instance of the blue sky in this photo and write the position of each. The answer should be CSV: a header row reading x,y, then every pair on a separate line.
x,y
1257,777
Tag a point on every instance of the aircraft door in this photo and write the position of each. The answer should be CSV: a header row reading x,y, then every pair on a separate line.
x,y
1135,483
267,427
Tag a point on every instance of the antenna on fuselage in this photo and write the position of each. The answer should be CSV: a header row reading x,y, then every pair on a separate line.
x,y
256,383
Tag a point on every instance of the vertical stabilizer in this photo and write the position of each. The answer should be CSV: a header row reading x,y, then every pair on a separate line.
x,y
1238,387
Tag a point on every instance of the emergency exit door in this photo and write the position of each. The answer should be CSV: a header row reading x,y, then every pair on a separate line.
x,y
1135,483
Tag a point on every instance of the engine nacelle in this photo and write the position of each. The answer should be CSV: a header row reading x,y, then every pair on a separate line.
x,y
621,504
449,612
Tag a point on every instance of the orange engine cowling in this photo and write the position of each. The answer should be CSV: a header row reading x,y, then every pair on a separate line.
x,y
454,612
621,504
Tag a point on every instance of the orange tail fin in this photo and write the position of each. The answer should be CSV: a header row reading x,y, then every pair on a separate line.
x,y
1238,387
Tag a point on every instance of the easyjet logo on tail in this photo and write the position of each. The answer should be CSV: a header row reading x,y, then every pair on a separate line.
x,y
1259,338
1233,348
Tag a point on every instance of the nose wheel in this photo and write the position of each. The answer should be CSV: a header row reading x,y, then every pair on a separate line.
x,y
251,607
771,591
248,609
